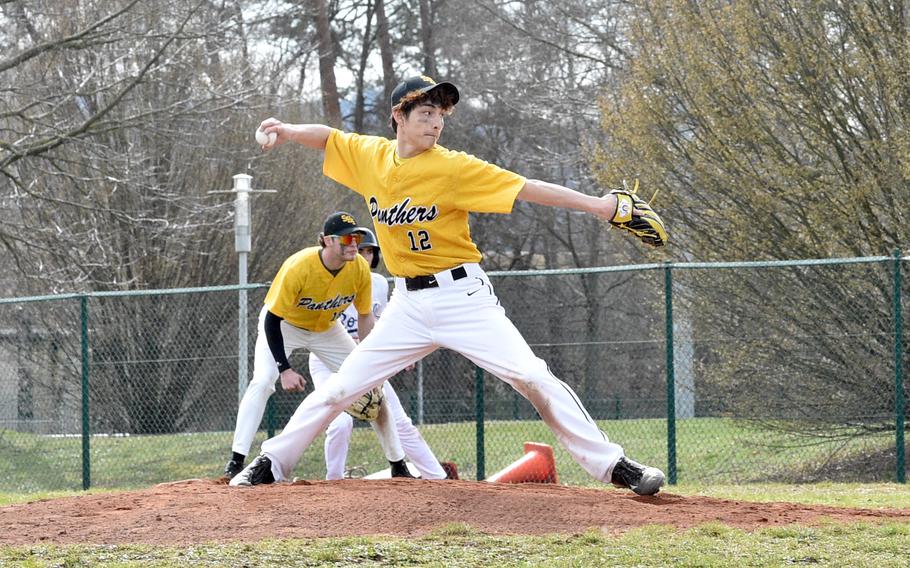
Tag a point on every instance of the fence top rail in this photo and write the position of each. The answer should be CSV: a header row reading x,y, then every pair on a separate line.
x,y
157,292
542,272
566,271
697,265
784,263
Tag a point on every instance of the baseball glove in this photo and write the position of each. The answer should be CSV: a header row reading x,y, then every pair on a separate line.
x,y
367,406
647,226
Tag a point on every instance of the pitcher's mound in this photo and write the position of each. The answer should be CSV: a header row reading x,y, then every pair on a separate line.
x,y
201,510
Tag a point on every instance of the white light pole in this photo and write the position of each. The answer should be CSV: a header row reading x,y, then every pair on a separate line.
x,y
243,240
242,244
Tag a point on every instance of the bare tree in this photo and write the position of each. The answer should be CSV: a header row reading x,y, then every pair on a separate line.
x,y
104,152
365,49
385,52
330,105
117,118
427,24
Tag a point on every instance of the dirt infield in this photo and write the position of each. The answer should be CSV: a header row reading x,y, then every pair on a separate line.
x,y
197,511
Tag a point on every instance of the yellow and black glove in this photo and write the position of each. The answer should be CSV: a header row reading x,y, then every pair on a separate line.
x,y
647,225
367,406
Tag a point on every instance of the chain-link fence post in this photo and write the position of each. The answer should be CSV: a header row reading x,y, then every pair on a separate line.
x,y
898,372
420,392
479,418
86,425
671,380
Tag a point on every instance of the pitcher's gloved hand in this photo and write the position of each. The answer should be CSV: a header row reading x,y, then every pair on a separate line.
x,y
633,214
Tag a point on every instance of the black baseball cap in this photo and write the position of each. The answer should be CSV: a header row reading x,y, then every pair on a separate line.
x,y
340,223
423,84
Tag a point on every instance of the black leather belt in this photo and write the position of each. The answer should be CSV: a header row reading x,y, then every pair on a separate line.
x,y
421,282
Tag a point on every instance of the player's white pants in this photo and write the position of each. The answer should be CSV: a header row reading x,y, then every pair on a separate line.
x,y
464,316
338,434
332,346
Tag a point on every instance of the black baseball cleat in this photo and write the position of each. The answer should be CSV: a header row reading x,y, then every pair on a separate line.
x,y
641,479
259,472
400,469
232,468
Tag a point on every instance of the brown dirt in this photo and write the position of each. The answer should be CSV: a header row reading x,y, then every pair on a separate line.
x,y
199,510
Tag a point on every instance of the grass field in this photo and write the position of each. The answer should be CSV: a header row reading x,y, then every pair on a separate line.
x,y
709,450
457,546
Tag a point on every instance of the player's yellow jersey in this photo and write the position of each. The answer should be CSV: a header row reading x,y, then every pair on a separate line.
x,y
308,296
420,205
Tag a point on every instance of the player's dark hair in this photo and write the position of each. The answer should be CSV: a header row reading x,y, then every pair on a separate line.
x,y
437,97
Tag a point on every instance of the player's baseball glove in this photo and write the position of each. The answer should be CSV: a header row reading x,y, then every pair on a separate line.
x,y
367,406
647,226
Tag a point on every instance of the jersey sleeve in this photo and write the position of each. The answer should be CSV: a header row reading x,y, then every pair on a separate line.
x,y
484,187
347,155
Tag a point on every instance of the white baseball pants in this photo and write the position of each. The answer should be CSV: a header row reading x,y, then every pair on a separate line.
x,y
465,316
332,346
338,434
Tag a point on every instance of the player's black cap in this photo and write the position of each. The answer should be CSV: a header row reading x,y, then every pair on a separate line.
x,y
341,223
423,84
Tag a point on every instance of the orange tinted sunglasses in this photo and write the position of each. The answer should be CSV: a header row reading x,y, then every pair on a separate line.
x,y
349,239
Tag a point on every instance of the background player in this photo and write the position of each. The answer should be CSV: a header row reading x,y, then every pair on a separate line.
x,y
419,195
338,434
311,290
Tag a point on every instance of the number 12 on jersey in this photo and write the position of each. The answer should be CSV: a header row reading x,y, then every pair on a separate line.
x,y
419,240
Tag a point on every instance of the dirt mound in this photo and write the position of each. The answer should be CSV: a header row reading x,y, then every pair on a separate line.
x,y
199,510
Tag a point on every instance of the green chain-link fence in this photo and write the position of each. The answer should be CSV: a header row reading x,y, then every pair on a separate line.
x,y
717,372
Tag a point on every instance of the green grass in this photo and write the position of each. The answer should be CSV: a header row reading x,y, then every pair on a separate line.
x,y
715,451
854,495
881,545
708,449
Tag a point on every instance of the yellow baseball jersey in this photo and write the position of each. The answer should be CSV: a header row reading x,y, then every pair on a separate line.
x,y
420,205
308,296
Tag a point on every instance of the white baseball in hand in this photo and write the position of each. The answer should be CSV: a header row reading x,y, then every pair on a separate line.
x,y
265,139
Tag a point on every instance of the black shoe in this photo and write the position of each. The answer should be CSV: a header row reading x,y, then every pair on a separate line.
x,y
232,468
259,472
641,479
400,469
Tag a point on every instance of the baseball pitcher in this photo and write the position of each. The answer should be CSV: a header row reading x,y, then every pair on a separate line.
x,y
419,195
